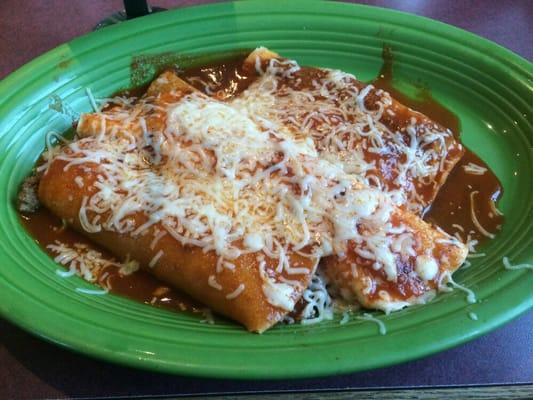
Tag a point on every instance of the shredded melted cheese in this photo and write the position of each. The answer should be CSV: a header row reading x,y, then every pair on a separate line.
x,y
334,111
507,264
474,169
96,292
476,222
473,316
246,177
318,303
446,279
368,317
81,260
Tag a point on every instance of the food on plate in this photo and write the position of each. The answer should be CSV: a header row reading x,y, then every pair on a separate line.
x,y
266,205
354,124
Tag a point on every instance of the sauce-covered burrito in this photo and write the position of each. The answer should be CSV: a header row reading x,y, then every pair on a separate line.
x,y
236,206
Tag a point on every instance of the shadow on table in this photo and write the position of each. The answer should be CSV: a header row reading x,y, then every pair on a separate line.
x,y
46,370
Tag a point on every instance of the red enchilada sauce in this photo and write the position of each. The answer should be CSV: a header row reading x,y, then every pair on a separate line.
x,y
451,209
46,229
225,79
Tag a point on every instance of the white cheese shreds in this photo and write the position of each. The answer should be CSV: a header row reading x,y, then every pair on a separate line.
x,y
345,317
318,303
426,267
92,100
471,244
212,281
476,255
81,260
92,291
254,241
474,169
79,181
128,267
52,141
459,227
494,209
236,293
208,317
368,317
279,294
157,237
480,228
473,316
334,113
507,264
155,259
65,274
446,279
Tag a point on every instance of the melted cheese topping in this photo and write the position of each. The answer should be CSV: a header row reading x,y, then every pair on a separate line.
x,y
474,169
476,222
507,265
90,264
368,317
318,303
224,178
426,267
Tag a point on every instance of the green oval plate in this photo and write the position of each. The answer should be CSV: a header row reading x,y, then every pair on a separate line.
x,y
489,87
